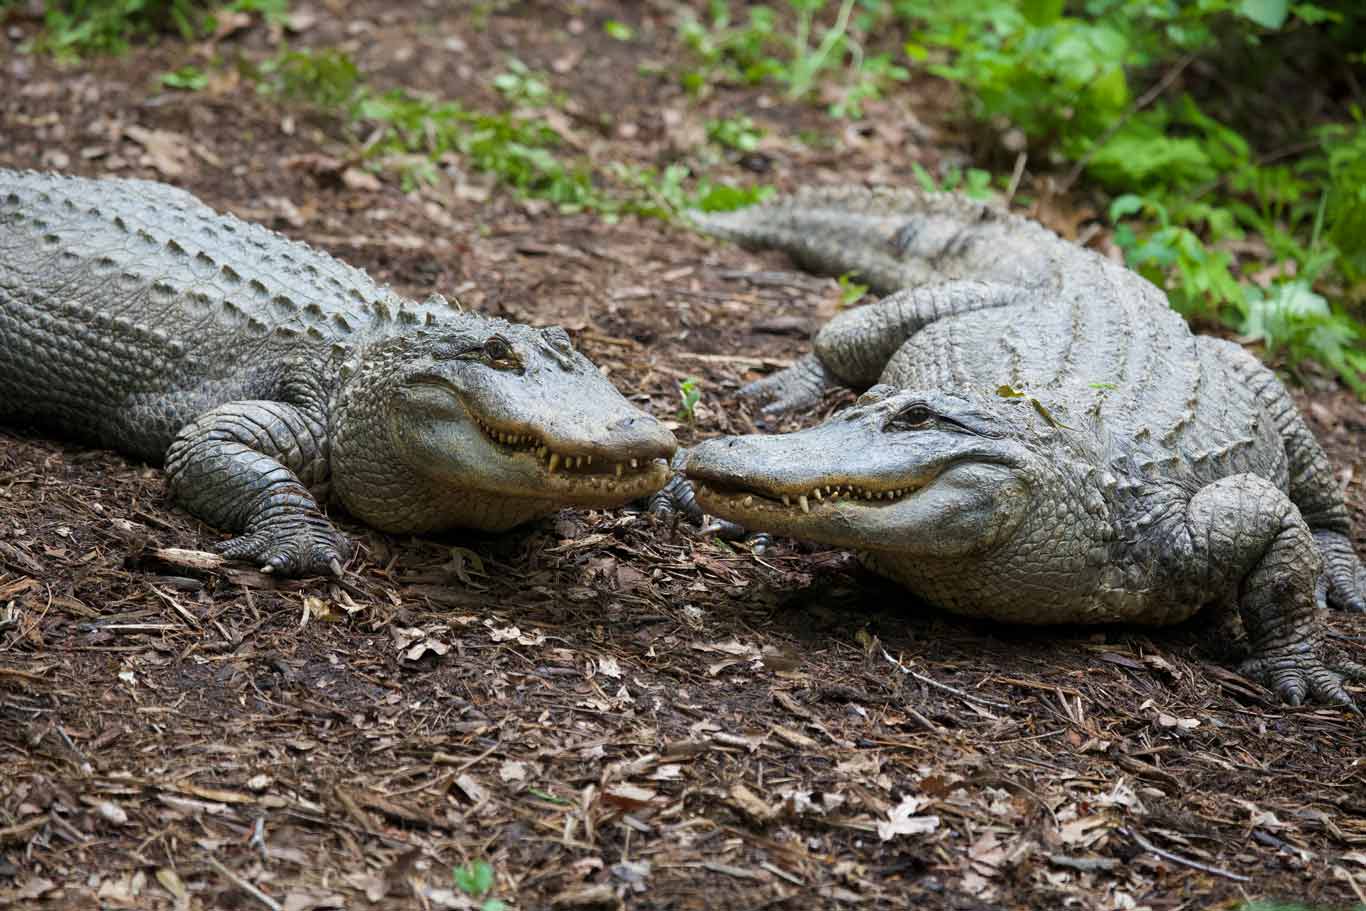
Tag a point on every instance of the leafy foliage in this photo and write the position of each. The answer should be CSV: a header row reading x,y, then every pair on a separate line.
x,y
522,152
739,133
801,57
74,27
1259,246
187,78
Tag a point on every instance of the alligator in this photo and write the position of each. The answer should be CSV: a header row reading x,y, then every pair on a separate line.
x,y
1044,440
271,378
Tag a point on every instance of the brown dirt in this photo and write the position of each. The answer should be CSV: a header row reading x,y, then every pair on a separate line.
x,y
609,712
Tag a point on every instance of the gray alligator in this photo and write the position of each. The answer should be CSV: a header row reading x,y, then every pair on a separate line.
x,y
1047,442
269,376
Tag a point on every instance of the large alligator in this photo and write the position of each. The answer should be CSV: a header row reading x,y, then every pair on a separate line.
x,y
1047,442
269,375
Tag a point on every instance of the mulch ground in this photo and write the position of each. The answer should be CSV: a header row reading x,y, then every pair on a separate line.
x,y
610,712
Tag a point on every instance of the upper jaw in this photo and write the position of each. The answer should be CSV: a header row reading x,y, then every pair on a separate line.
x,y
586,471
740,495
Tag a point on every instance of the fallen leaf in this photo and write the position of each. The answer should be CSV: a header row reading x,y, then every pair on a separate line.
x,y
168,152
902,819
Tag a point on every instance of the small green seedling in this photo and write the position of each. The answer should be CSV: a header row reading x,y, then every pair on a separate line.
x,y
690,392
618,30
187,79
738,133
851,292
475,880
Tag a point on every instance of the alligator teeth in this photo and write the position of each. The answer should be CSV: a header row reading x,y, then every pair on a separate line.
x,y
748,501
801,501
554,461
786,501
634,463
817,494
618,469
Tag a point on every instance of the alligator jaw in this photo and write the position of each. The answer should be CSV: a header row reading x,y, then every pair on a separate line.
x,y
604,476
625,469
735,498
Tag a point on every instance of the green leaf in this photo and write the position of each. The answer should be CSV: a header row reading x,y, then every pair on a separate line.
x,y
1128,204
1041,12
618,30
1266,13
475,878
187,78
923,177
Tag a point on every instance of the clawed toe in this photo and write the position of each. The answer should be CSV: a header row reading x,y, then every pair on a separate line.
x,y
311,549
1302,677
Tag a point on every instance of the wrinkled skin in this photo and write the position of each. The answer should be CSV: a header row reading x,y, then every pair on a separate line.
x,y
268,375
1059,445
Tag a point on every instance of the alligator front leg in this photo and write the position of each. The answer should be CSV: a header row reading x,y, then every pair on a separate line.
x,y
853,348
678,497
1244,531
247,466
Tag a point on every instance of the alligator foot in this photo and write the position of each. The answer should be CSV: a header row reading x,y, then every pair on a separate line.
x,y
1345,575
1295,675
678,497
795,388
294,545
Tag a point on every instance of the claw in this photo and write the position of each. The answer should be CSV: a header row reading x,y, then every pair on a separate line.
x,y
336,567
268,568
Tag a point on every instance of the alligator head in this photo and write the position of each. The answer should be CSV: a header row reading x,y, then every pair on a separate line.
x,y
918,473
486,424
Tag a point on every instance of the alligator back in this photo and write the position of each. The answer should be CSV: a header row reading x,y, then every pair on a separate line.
x,y
129,307
1094,338
1107,350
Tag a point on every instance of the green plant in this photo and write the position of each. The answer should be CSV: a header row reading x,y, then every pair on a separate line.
x,y
791,47
739,133
520,84
523,153
618,30
187,78
476,879
973,182
851,292
74,27
327,79
689,394
1195,203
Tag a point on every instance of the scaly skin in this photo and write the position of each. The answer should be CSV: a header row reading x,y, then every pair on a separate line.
x,y
269,375
1047,443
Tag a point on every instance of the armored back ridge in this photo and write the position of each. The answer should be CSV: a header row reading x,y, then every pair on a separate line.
x,y
1047,441
136,317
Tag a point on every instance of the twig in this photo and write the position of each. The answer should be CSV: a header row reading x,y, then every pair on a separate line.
x,y
1184,861
930,681
1148,98
245,886
1015,176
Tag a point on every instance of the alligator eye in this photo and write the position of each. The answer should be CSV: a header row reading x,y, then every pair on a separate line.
x,y
497,349
912,417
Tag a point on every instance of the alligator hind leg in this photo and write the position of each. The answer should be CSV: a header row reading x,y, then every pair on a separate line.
x,y
247,466
1312,485
1243,531
854,347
